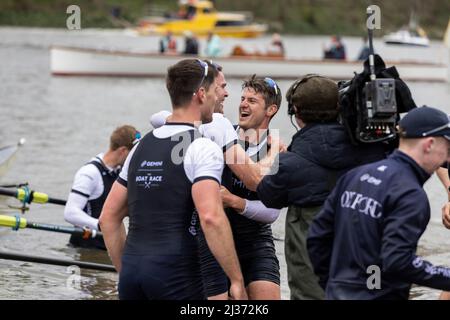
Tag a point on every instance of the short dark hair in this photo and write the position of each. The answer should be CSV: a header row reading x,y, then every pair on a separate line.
x,y
316,99
267,90
123,136
185,77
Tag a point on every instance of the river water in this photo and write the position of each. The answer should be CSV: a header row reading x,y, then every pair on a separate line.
x,y
68,120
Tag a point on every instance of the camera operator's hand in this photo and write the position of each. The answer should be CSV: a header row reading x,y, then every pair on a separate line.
x,y
446,215
277,143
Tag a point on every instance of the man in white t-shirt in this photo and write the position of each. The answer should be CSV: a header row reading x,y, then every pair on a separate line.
x,y
92,184
170,180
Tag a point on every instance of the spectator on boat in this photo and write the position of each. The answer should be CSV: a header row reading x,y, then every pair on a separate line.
x,y
92,184
191,11
187,9
168,44
365,50
336,49
165,193
317,155
213,47
190,43
363,242
276,47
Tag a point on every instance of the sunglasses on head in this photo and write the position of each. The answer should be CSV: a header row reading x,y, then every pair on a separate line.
x,y
272,84
215,65
205,74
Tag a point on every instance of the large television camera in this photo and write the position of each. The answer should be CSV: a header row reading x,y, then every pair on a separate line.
x,y
370,103
375,110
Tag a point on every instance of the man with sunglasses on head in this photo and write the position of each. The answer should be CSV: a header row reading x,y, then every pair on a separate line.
x,y
250,220
319,152
221,131
363,242
169,181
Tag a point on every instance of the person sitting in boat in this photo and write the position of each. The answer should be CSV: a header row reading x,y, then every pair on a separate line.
x,y
213,47
187,10
190,43
276,47
336,49
365,51
168,44
92,184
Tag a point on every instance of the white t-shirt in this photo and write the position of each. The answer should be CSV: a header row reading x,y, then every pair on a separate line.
x,y
220,130
87,185
203,158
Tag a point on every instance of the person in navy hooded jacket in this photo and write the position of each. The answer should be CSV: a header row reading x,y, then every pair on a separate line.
x,y
363,243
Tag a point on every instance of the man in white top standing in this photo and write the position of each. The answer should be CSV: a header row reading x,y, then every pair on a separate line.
x,y
92,184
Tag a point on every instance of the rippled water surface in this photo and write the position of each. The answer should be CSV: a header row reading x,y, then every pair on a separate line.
x,y
68,120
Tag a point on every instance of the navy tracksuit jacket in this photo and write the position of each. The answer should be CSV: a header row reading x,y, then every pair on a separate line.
x,y
374,219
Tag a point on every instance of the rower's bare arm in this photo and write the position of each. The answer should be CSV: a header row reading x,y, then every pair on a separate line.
x,y
114,211
249,172
217,230
442,174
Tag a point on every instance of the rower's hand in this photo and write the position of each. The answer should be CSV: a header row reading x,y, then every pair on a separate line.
x,y
160,118
237,291
227,197
446,215
89,233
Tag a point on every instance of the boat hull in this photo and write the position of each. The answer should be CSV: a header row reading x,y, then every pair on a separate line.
x,y
249,31
6,155
87,62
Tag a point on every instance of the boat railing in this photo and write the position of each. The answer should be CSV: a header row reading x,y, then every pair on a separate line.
x,y
248,14
154,10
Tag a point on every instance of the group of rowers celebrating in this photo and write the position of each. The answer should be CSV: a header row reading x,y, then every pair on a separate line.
x,y
201,193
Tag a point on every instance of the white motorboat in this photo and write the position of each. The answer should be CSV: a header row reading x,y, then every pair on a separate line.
x,y
69,61
408,37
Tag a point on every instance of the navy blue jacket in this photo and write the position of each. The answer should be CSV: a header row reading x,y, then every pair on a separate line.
x,y
374,217
317,156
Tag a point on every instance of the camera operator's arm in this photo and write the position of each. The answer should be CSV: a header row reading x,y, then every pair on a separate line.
x,y
249,172
273,190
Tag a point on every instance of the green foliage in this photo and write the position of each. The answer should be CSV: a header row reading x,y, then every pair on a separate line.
x,y
288,16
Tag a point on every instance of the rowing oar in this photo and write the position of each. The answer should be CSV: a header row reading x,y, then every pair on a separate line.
x,y
27,196
20,223
58,262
